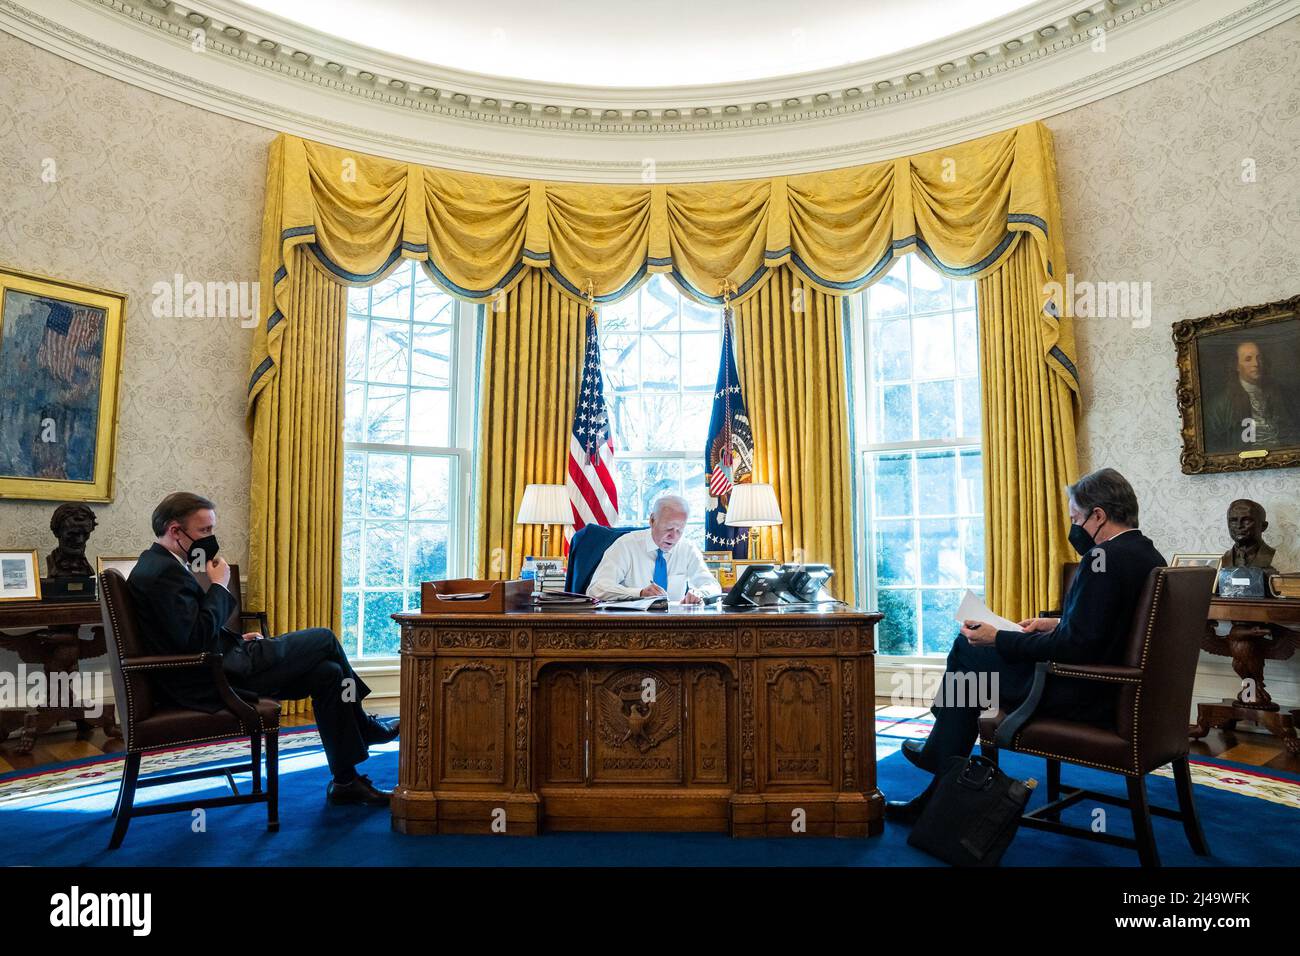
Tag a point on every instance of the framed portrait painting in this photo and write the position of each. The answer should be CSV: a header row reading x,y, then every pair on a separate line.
x,y
61,362
1238,388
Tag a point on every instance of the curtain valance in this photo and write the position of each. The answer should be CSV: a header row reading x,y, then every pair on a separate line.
x,y
962,207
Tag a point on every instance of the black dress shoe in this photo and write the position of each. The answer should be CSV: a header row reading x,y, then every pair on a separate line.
x,y
358,790
379,732
914,751
906,811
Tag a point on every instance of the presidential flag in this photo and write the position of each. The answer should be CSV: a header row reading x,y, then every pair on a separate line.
x,y
592,492
729,454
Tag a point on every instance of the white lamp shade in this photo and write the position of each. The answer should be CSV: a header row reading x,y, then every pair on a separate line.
x,y
753,506
545,504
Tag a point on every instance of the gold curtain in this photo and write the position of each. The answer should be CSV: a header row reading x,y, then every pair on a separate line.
x,y
1028,432
530,248
296,494
961,207
533,342
791,361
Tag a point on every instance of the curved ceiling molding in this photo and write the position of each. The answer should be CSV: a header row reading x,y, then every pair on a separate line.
x,y
1040,60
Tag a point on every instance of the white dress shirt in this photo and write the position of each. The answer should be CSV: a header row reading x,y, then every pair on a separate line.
x,y
629,565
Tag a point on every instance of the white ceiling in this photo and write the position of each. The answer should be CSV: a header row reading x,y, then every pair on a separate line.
x,y
620,43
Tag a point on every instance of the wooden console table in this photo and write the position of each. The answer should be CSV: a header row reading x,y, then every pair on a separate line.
x,y
1263,629
752,723
56,649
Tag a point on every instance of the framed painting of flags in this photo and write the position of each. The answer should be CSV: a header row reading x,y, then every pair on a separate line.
x,y
61,362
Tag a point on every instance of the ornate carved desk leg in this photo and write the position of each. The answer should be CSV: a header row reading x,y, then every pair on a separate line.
x,y
414,808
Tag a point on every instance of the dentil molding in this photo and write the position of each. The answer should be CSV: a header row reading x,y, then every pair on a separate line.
x,y
230,59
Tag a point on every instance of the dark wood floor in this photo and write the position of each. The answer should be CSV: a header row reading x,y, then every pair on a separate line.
x,y
1258,750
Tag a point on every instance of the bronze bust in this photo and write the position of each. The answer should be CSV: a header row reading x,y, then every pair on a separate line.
x,y
1246,525
72,525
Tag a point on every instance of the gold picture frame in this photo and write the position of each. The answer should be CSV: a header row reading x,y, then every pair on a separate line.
x,y
61,347
30,583
1219,429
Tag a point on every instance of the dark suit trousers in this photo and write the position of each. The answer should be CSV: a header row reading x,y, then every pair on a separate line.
x,y
312,663
975,678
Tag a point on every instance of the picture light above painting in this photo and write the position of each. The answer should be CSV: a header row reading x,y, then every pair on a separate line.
x,y
1239,388
61,364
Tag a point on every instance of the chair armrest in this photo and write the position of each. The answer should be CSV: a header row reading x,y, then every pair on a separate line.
x,y
1104,672
161,661
1109,673
244,712
1012,723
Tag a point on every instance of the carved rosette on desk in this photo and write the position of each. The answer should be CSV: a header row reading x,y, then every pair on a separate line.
x,y
742,723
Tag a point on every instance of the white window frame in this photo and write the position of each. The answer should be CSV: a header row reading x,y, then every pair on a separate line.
x,y
860,350
464,382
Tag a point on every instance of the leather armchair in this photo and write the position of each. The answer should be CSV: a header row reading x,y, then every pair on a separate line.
x,y
150,724
1155,695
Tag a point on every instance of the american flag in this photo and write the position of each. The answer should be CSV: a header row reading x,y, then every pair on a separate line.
x,y
592,491
67,335
721,480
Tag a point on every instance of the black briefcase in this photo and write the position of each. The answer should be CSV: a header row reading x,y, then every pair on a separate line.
x,y
973,812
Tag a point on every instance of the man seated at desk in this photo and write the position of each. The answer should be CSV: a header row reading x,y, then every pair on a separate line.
x,y
1096,616
640,563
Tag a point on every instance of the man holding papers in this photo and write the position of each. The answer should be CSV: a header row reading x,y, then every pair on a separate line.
x,y
656,561
1115,559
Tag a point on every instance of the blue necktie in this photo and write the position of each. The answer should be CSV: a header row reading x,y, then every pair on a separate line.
x,y
661,569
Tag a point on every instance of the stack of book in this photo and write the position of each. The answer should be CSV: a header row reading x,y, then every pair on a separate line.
x,y
552,580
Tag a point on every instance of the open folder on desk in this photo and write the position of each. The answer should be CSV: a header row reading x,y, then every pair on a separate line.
x,y
973,609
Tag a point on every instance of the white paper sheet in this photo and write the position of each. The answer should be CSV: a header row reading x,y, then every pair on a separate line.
x,y
973,609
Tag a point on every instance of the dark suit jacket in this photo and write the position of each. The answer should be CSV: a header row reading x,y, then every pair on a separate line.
x,y
178,617
1096,618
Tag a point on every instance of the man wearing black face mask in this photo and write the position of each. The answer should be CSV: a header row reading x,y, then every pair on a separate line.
x,y
1115,560
177,616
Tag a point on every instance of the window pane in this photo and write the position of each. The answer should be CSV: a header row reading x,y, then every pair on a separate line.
x,y
355,361
384,553
896,634
430,417
431,356
351,622
431,488
382,635
351,553
931,291
390,344
385,486
936,480
893,485
970,407
936,410
968,345
392,297
938,626
970,488
932,346
385,415
895,553
428,552
354,406
431,303
700,354
891,350
897,413
888,297
942,557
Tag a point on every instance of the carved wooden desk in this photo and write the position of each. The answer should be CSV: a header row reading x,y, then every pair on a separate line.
x,y
749,723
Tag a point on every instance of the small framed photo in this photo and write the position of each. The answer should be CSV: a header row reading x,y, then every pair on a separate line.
x,y
123,564
1199,561
20,576
548,565
722,565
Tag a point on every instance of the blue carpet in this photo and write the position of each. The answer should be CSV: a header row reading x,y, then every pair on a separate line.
x,y
72,829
